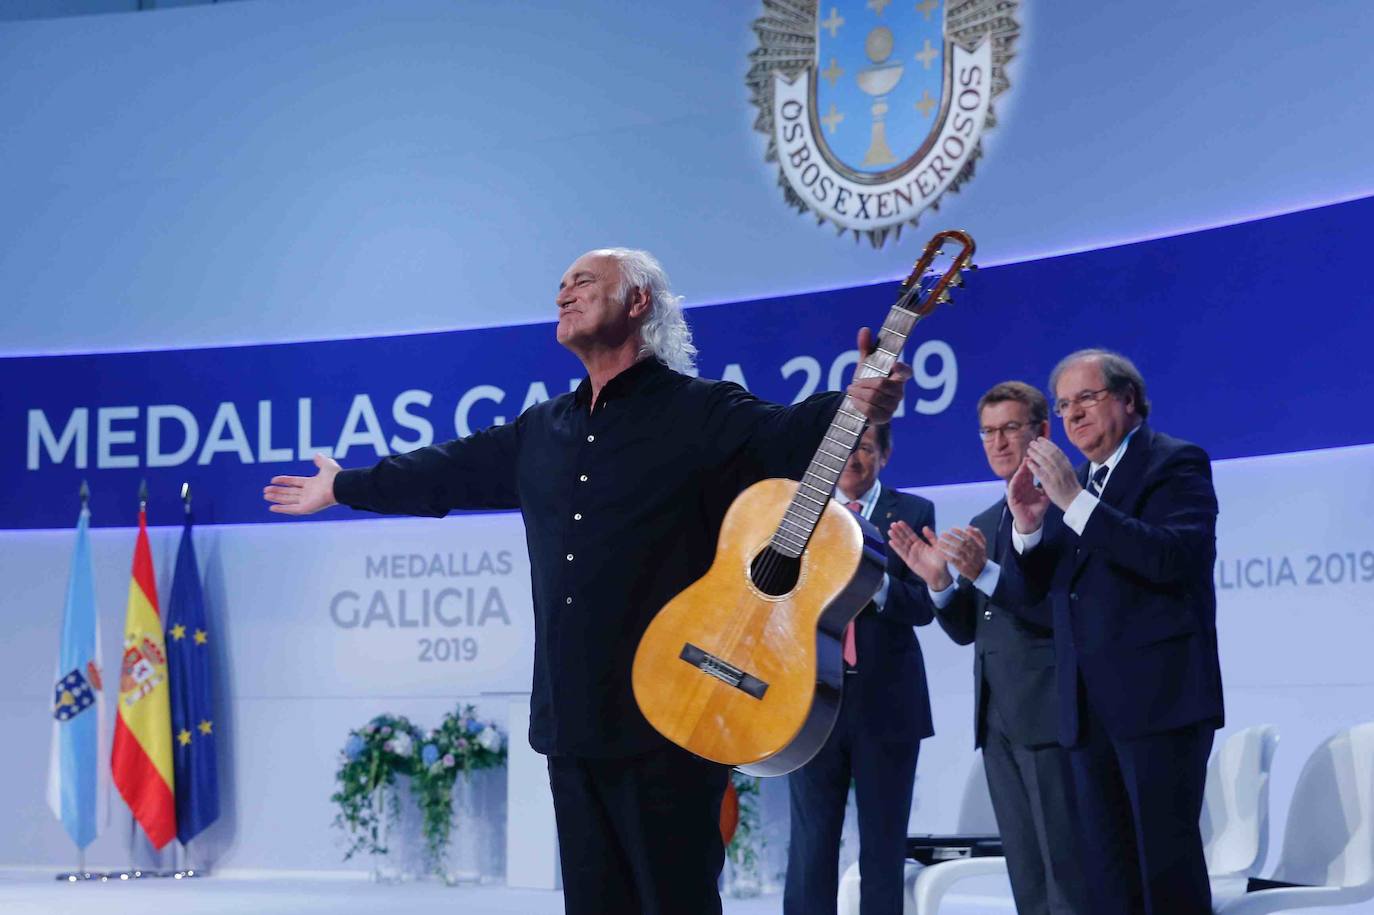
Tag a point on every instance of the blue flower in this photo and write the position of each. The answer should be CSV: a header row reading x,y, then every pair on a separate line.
x,y
354,747
469,724
430,754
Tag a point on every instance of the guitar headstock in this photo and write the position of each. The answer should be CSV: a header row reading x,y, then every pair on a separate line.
x,y
922,301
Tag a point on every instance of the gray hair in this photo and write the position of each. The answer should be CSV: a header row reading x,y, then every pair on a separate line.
x,y
664,334
1119,374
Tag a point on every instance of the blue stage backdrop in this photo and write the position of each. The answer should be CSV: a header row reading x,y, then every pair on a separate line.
x,y
1252,338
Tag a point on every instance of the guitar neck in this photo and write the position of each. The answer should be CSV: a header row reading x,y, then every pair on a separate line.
x,y
818,483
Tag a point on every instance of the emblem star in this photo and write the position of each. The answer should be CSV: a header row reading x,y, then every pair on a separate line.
x,y
184,737
833,72
178,632
927,7
927,55
204,727
201,637
833,23
878,6
925,104
832,120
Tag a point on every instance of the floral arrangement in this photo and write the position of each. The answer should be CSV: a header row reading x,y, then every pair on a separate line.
x,y
743,850
372,757
460,744
389,746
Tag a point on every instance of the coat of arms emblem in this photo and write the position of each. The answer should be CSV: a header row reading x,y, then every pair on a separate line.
x,y
876,108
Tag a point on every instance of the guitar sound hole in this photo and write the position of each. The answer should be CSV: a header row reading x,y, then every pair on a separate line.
x,y
773,573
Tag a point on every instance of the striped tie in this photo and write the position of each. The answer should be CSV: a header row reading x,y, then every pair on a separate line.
x,y
1099,475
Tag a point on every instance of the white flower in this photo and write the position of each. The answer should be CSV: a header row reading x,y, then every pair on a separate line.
x,y
401,744
490,738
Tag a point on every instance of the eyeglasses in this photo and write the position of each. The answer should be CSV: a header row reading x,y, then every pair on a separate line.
x,y
988,433
1082,399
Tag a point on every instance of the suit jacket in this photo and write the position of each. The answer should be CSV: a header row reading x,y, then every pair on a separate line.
x,y
1131,600
1013,658
890,682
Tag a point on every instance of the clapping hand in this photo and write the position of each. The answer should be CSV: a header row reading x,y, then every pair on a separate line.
x,y
1026,501
966,549
921,557
1055,471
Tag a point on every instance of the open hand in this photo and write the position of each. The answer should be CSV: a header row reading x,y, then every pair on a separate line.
x,y
304,495
966,548
1049,463
1026,502
922,558
877,398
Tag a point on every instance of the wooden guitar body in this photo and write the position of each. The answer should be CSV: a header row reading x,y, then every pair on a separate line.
x,y
750,678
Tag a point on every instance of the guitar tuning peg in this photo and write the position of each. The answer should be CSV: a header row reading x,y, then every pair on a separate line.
x,y
970,266
943,297
957,280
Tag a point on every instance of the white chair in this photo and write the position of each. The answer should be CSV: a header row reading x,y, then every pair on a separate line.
x,y
925,886
1235,809
1234,823
1328,846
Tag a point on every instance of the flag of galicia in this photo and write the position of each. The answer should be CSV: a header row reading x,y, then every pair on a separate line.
x,y
78,782
191,671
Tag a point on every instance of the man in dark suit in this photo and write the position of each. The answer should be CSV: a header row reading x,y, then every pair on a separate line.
x,y
883,716
1015,722
1122,551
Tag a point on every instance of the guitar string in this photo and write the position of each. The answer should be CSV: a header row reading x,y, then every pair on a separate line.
x,y
774,561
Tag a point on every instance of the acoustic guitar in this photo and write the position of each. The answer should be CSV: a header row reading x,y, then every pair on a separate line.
x,y
744,666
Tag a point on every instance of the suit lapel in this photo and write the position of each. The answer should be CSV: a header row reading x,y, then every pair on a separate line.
x,y
1126,474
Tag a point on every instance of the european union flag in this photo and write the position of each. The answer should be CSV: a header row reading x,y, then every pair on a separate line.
x,y
191,672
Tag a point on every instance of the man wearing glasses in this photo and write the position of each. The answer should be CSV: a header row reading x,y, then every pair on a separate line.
x,y
1015,720
1121,551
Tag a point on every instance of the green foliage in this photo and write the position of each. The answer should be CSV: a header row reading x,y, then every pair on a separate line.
x,y
390,746
372,758
744,849
459,745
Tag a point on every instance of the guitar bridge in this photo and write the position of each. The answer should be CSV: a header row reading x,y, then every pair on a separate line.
x,y
723,670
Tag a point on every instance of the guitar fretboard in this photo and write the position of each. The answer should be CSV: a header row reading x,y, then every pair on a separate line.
x,y
818,483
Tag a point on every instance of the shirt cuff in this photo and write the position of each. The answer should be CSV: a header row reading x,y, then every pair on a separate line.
x,y
880,595
1023,542
988,578
1076,515
941,599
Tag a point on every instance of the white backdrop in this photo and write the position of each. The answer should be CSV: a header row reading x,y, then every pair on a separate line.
x,y
1294,647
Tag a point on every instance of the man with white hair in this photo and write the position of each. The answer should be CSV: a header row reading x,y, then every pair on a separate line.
x,y
623,485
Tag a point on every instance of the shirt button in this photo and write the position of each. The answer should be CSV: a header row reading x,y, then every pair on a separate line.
x,y
577,516
1073,596
567,600
583,478
591,438
987,614
570,557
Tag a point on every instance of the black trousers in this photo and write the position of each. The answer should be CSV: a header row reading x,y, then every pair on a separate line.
x,y
1140,800
639,835
883,773
1032,791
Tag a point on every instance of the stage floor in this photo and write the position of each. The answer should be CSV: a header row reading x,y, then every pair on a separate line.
x,y
32,895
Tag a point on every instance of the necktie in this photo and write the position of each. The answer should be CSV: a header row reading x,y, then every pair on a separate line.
x,y
1099,475
851,648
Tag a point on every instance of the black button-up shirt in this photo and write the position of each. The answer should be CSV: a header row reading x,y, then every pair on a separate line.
x,y
622,507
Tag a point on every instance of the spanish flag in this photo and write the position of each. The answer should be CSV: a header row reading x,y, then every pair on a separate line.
x,y
142,761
